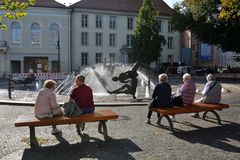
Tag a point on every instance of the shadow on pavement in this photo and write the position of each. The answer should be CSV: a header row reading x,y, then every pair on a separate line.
x,y
89,148
221,137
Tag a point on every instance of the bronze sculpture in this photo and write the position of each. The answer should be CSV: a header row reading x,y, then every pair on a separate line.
x,y
130,79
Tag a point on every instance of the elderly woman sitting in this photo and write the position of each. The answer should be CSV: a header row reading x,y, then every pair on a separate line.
x,y
187,90
46,104
161,95
211,92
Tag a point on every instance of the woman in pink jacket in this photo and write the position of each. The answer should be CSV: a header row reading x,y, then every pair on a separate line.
x,y
187,90
46,103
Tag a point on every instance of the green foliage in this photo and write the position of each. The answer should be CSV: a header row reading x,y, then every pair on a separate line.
x,y
147,40
14,9
205,19
230,9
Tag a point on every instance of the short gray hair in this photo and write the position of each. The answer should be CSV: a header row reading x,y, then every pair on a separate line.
x,y
163,77
210,77
186,76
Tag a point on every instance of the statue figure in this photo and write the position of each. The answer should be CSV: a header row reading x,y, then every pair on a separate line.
x,y
130,77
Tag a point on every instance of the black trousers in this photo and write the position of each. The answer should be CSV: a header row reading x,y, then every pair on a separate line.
x,y
150,114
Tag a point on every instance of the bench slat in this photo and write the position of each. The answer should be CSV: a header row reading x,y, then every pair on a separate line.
x,y
31,120
195,107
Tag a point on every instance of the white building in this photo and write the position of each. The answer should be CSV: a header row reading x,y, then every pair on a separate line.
x,y
32,41
103,31
90,31
226,59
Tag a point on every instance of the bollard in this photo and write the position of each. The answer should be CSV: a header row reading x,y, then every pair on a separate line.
x,y
10,86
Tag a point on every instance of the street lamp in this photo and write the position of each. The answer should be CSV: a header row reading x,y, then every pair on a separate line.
x,y
58,48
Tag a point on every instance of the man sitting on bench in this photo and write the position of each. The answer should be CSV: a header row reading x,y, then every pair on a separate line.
x,y
211,92
82,95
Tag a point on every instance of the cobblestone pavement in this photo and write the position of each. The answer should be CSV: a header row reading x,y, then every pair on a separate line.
x,y
131,137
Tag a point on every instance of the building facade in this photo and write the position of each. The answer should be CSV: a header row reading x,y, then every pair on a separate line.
x,y
87,32
226,59
32,42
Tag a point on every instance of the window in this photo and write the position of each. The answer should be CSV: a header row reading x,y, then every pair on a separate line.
x,y
169,27
98,21
84,38
98,57
98,39
84,20
170,43
221,60
84,58
170,58
130,23
160,25
112,57
112,22
35,35
112,39
54,35
129,40
15,34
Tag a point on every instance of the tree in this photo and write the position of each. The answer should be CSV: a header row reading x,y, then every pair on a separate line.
x,y
210,21
14,9
147,41
230,9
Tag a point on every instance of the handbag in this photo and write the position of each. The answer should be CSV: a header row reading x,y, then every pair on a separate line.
x,y
176,100
71,109
57,111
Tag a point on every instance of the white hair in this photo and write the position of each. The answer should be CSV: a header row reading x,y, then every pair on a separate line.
x,y
163,77
186,76
210,77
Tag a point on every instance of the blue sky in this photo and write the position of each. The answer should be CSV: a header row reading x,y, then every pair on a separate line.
x,y
171,2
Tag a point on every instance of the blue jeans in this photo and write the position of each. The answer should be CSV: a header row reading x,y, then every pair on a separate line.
x,y
87,110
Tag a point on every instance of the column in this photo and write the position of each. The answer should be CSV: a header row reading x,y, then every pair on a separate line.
x,y
49,66
22,66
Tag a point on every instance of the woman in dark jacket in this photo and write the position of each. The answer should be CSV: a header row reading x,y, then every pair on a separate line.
x,y
161,95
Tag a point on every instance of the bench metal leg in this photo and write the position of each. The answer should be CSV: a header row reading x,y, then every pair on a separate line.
x,y
102,128
215,113
171,128
33,140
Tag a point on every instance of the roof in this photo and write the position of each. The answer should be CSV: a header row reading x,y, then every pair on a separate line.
x,y
122,5
111,5
48,4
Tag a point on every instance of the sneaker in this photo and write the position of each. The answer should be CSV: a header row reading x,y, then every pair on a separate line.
x,y
55,131
173,118
195,115
148,121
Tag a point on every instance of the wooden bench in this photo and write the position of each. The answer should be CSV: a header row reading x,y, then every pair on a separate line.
x,y
31,121
195,107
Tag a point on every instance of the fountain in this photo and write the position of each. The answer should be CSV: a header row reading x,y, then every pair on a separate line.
x,y
99,78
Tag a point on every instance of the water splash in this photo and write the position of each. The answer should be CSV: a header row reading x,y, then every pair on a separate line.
x,y
99,78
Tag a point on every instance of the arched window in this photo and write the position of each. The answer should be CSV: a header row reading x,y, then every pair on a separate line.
x,y
15,33
54,34
35,34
